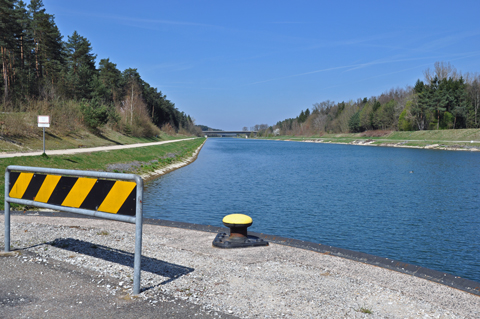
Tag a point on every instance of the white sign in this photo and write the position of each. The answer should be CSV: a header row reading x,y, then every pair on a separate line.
x,y
43,120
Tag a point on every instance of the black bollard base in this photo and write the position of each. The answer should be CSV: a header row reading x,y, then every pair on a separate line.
x,y
223,240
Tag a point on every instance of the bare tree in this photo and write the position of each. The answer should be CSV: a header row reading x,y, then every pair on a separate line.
x,y
323,107
263,126
319,122
441,70
349,110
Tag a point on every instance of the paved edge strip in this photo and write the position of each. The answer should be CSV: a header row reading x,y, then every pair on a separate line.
x,y
446,279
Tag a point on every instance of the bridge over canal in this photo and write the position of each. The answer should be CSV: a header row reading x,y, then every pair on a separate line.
x,y
228,133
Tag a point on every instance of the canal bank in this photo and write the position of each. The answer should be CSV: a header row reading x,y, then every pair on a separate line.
x,y
171,167
459,146
146,159
180,264
451,139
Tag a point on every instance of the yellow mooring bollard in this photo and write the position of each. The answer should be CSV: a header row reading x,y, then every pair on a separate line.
x,y
238,224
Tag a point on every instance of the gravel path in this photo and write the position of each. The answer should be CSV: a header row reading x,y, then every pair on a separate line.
x,y
265,282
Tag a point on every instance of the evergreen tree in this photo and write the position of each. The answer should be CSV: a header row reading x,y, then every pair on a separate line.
x,y
24,81
473,90
107,85
354,123
421,106
48,46
461,105
419,86
37,15
8,27
301,118
80,66
79,53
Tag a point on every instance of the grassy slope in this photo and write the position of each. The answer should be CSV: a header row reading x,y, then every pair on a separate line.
x,y
78,139
151,158
415,138
440,135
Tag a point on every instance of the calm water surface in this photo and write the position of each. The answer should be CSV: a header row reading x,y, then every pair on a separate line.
x,y
416,206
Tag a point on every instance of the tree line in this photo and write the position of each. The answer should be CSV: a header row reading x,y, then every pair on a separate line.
x,y
445,99
38,65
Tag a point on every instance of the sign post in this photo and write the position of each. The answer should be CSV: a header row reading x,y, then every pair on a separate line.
x,y
43,121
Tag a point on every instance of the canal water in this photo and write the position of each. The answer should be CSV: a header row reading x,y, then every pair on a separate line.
x,y
417,206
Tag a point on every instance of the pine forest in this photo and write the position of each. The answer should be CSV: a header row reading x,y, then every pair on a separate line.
x,y
43,73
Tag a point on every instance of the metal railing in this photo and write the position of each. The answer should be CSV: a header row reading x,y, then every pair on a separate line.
x,y
137,219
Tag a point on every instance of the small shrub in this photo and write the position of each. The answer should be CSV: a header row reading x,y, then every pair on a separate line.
x,y
167,128
18,125
403,123
365,310
446,121
94,113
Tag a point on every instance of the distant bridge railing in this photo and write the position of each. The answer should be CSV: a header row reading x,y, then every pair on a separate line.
x,y
229,132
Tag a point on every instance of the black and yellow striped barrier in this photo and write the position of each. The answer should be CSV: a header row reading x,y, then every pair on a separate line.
x,y
110,196
99,194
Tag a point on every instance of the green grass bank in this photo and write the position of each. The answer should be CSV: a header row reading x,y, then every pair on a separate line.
x,y
75,139
465,139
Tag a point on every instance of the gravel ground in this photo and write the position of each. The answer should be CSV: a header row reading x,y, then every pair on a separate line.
x,y
264,282
34,287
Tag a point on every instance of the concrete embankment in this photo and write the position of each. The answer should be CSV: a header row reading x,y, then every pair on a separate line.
x,y
180,267
174,166
401,144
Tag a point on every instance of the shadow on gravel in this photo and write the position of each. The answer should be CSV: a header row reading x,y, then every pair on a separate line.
x,y
152,265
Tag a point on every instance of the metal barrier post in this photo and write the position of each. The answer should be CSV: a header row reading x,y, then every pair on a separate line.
x,y
7,213
138,237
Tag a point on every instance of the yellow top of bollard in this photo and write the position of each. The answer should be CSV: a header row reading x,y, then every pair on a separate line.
x,y
237,219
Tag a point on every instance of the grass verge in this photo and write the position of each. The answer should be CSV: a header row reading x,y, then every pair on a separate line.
x,y
465,138
75,139
145,159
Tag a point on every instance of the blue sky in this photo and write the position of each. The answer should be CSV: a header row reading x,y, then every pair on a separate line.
x,y
231,64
